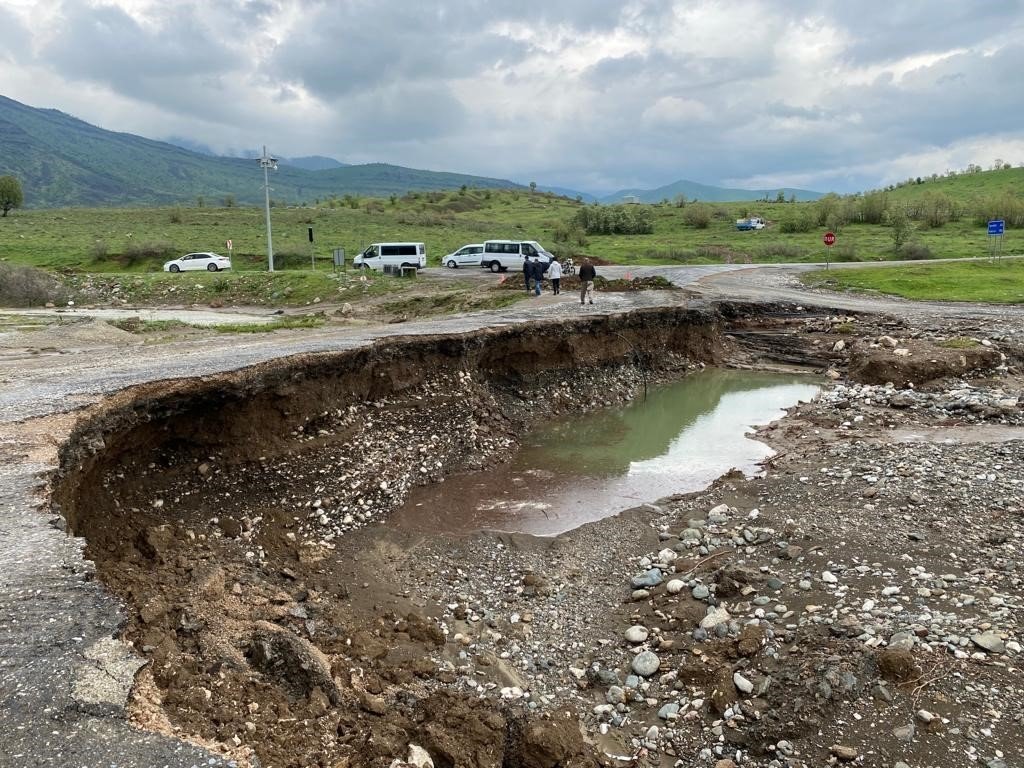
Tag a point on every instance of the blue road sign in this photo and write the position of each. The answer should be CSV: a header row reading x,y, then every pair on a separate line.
x,y
996,227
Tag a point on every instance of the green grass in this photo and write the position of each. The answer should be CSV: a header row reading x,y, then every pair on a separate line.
x,y
965,187
285,323
1000,282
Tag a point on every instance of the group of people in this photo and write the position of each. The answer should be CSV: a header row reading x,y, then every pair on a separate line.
x,y
534,269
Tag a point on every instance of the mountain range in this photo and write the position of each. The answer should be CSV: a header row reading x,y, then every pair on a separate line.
x,y
63,161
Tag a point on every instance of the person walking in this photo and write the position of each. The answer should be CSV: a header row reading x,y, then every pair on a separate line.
x,y
587,275
555,273
527,273
538,275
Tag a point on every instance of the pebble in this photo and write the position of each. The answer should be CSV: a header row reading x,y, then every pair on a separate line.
x,y
646,663
989,641
700,592
637,634
742,684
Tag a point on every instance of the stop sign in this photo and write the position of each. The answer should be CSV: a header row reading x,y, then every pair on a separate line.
x,y
830,238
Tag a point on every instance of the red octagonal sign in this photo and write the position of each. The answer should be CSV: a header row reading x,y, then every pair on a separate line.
x,y
830,238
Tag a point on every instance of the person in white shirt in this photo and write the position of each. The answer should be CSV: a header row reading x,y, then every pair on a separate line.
x,y
555,275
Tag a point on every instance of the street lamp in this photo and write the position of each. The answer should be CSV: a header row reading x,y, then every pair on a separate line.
x,y
266,163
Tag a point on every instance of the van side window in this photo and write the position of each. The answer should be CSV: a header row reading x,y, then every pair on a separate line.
x,y
370,253
528,250
406,250
389,250
492,247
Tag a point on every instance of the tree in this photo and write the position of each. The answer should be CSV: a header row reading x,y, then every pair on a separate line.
x,y
533,186
10,194
900,226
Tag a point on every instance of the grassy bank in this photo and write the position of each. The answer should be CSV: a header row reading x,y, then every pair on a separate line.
x,y
999,282
140,240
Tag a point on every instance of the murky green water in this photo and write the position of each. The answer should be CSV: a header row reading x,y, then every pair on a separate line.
x,y
572,471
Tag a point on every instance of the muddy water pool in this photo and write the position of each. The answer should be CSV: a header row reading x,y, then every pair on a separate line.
x,y
575,470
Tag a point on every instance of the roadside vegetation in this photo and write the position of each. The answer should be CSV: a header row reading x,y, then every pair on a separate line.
x,y
119,252
997,282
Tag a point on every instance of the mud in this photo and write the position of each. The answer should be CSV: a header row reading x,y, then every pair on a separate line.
x,y
239,519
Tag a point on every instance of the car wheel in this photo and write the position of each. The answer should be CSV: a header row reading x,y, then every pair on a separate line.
x,y
175,268
495,267
211,267
451,264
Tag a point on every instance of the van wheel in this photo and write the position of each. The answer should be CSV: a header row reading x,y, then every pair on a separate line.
x,y
495,266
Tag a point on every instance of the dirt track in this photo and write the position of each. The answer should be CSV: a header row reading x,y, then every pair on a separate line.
x,y
354,641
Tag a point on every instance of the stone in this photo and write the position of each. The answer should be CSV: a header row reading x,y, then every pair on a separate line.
x,y
829,578
650,578
675,586
844,753
615,695
646,663
904,733
719,514
715,617
669,711
902,641
742,684
419,757
700,592
990,642
726,763
637,634
925,716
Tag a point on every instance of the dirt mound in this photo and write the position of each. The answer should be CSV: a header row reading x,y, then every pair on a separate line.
x,y
73,333
917,362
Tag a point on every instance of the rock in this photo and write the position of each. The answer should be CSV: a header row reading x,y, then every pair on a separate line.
x,y
669,711
675,586
636,634
716,616
901,352
904,733
845,754
646,663
203,469
833,374
902,641
742,684
650,578
719,514
829,578
700,592
375,705
726,763
615,695
925,716
839,346
897,665
989,642
294,662
419,757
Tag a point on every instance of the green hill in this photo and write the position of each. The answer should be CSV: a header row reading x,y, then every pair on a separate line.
x,y
63,161
965,186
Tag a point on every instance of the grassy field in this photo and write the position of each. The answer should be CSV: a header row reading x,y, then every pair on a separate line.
x,y
141,239
1000,282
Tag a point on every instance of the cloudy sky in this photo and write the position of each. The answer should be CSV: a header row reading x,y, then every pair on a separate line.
x,y
591,94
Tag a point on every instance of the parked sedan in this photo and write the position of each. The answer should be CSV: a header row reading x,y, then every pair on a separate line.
x,y
467,255
211,262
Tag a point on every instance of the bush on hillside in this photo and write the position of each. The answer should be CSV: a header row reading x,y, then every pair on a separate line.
x,y
614,220
697,215
28,287
914,252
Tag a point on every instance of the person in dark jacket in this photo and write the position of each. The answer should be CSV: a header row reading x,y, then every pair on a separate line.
x,y
527,273
538,274
587,275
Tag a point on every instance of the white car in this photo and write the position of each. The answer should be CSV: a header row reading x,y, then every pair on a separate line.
x,y
211,262
467,255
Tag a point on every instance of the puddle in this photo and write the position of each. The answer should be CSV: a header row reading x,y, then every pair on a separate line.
x,y
569,472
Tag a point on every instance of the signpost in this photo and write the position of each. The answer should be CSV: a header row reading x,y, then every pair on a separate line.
x,y
829,240
995,238
229,245
339,258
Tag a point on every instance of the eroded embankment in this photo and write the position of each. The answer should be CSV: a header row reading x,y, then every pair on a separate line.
x,y
229,514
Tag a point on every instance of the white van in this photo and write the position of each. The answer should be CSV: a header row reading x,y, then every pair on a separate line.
x,y
500,255
379,255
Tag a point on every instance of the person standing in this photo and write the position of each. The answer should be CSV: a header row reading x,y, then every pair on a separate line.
x,y
555,273
587,275
527,272
538,275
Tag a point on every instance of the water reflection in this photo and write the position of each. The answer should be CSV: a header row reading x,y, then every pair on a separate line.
x,y
588,466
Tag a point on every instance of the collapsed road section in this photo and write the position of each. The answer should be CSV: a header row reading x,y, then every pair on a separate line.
x,y
825,611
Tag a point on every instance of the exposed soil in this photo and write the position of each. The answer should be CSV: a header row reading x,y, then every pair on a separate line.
x,y
242,519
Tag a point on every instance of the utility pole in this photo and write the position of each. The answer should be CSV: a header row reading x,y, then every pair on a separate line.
x,y
267,163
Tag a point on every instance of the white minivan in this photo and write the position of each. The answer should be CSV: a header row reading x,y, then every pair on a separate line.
x,y
500,255
379,255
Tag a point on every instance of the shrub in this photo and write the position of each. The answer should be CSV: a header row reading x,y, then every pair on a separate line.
x,y
844,252
697,215
614,220
28,287
176,216
780,252
137,253
914,251
900,227
873,207
98,250
797,221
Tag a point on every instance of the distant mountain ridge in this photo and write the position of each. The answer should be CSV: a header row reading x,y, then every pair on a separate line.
x,y
708,194
63,161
